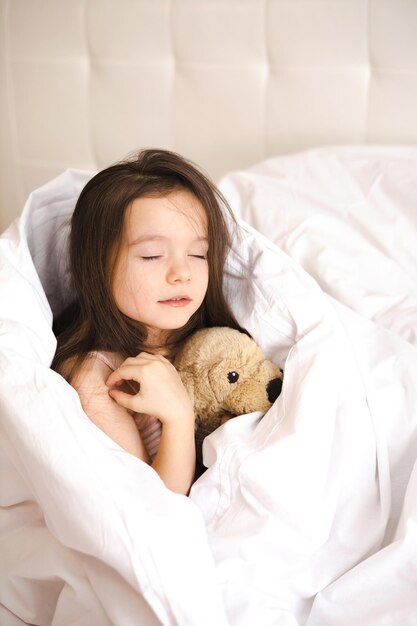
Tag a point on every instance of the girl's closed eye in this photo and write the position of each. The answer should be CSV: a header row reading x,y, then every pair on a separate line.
x,y
199,252
150,253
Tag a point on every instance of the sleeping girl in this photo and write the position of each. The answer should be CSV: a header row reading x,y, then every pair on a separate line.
x,y
148,245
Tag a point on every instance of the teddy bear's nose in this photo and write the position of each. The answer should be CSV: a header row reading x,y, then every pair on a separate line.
x,y
273,389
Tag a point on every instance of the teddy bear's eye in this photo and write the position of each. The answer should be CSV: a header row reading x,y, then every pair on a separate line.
x,y
233,377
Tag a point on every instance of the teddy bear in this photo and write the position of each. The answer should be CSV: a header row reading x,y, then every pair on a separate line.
x,y
226,374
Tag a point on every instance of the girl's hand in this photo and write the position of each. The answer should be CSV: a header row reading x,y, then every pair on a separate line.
x,y
161,392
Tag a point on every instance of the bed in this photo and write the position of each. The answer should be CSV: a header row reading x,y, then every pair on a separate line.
x,y
304,113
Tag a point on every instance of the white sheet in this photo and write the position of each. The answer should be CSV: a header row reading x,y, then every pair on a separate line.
x,y
348,216
303,517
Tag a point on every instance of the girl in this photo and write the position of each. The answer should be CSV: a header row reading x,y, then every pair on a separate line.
x,y
148,245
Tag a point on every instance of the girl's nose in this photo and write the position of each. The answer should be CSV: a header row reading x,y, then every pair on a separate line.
x,y
179,272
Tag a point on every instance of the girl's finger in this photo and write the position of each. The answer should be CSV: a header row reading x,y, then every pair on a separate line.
x,y
125,400
146,355
124,372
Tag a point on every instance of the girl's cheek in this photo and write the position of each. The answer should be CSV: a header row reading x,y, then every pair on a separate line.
x,y
138,280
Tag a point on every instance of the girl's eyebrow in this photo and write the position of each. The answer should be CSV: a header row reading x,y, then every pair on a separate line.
x,y
146,238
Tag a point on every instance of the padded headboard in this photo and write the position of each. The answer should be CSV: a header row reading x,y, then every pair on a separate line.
x,y
225,82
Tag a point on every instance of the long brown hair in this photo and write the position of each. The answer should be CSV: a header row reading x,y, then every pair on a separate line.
x,y
92,321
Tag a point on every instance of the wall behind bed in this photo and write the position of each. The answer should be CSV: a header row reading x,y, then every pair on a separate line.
x,y
227,83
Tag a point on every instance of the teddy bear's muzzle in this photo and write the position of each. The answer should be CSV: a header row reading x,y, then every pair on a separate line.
x,y
273,389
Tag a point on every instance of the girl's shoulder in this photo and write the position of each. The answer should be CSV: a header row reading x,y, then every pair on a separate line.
x,y
111,359
96,365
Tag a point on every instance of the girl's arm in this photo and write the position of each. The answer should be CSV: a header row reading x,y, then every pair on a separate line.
x,y
175,459
161,394
116,421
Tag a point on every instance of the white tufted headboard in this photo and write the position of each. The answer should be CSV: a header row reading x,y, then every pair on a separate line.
x,y
227,83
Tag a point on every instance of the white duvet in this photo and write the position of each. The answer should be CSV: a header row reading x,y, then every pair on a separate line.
x,y
306,516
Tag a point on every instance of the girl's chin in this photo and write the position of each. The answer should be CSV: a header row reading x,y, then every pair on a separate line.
x,y
160,329
160,336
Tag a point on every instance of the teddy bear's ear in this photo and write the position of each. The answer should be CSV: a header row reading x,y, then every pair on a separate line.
x,y
188,382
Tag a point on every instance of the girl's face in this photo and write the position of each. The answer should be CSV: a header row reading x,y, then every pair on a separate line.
x,y
161,271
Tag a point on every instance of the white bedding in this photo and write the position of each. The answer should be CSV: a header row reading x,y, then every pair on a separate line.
x,y
306,516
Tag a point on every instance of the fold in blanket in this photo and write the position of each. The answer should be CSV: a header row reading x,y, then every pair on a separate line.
x,y
301,514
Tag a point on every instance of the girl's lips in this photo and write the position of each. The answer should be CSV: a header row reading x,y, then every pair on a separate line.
x,y
176,302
